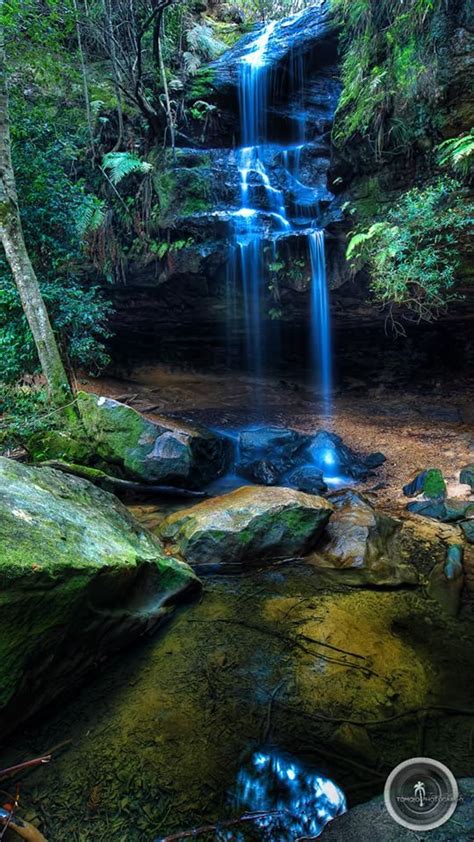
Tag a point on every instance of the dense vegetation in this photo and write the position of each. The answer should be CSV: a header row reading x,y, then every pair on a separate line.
x,y
393,112
102,94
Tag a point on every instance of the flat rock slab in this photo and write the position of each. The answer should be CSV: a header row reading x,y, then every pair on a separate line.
x,y
79,578
250,523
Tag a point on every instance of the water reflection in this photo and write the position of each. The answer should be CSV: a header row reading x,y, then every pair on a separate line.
x,y
302,801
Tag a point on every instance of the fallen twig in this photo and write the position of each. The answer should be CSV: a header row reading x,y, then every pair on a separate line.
x,y
24,829
292,642
27,764
210,828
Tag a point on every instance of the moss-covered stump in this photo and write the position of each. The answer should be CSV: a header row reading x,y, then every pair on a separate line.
x,y
79,578
150,450
252,522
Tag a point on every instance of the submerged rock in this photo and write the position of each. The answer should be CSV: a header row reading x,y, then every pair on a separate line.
x,y
307,478
79,579
363,541
447,580
467,527
447,511
300,459
328,452
150,450
250,523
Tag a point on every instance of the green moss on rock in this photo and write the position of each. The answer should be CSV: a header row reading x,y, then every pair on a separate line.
x,y
78,578
250,523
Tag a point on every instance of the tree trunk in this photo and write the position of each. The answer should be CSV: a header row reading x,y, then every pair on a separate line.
x,y
11,235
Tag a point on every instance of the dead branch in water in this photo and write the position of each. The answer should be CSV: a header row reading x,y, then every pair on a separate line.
x,y
210,828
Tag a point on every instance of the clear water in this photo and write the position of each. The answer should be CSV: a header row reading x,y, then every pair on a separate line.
x,y
302,801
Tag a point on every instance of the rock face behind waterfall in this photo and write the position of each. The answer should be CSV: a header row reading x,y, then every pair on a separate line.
x,y
79,579
185,296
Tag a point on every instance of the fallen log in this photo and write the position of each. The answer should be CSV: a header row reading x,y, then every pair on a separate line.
x,y
116,484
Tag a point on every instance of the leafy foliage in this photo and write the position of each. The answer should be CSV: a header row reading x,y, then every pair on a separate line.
x,y
412,254
458,153
121,164
24,410
55,212
388,71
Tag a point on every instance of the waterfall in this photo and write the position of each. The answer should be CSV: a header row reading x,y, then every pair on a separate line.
x,y
262,217
320,319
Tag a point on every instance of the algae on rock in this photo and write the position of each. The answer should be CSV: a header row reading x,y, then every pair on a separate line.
x,y
250,523
79,578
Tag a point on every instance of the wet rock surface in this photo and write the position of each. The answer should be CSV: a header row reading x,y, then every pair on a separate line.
x,y
353,826
302,32
79,579
298,459
251,523
364,543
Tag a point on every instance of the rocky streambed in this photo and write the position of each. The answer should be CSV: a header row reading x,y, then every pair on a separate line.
x,y
332,637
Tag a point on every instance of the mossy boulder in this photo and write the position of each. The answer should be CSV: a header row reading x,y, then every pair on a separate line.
x,y
79,578
250,523
430,483
125,443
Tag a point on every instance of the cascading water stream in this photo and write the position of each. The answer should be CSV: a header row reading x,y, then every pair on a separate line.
x,y
320,317
263,216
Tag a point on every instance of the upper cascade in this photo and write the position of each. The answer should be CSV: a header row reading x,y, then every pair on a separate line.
x,y
272,43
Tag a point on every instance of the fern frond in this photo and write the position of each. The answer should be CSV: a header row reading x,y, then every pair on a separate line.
x,y
201,40
121,164
89,215
458,153
192,63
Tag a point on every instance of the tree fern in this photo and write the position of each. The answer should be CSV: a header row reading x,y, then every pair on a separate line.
x,y
121,164
192,63
201,40
458,153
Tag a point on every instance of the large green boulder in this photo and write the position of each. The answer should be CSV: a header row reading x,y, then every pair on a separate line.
x,y
153,450
250,523
79,579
